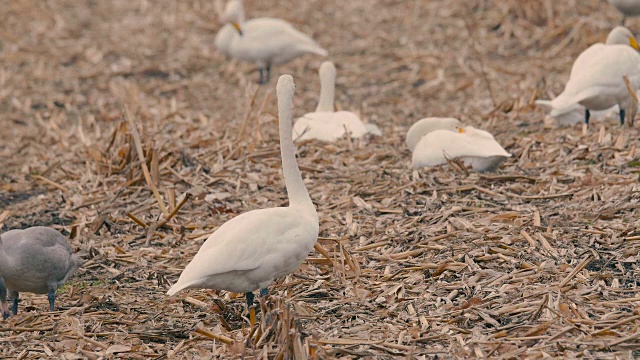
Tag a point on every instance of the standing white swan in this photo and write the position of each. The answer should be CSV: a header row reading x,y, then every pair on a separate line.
x,y
37,260
264,41
250,251
626,7
596,80
326,124
434,140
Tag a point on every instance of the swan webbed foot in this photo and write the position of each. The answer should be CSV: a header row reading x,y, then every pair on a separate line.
x,y
587,115
52,299
622,114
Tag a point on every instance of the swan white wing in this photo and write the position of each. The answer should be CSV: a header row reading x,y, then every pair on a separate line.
x,y
596,77
435,147
424,126
272,41
270,241
328,126
318,126
351,122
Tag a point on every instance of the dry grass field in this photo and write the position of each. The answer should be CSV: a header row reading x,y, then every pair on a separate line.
x,y
537,260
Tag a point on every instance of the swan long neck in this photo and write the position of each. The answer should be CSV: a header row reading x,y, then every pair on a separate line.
x,y
327,87
297,192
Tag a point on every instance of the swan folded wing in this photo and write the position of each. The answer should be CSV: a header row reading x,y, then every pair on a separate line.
x,y
435,147
250,241
598,73
317,125
37,236
351,122
273,41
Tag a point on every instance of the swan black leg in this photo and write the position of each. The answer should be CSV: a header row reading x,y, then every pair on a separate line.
x,y
622,113
14,306
268,73
249,296
264,292
52,299
261,81
587,115
251,308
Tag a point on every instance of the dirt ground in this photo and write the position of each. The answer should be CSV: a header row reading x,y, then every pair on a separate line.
x,y
537,260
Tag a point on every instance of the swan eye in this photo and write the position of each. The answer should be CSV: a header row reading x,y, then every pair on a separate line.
x,y
633,43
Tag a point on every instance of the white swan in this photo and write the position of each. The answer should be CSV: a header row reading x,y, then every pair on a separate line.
x,y
37,260
250,251
596,80
264,41
434,140
627,7
326,124
424,126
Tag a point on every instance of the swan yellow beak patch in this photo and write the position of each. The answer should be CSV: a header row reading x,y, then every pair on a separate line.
x,y
237,26
461,130
634,43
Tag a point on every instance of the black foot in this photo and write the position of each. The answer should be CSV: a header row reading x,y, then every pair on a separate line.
x,y
587,115
622,113
264,292
52,299
14,306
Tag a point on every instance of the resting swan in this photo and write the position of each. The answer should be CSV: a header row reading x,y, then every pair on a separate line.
x,y
434,140
596,80
326,124
37,260
264,41
250,251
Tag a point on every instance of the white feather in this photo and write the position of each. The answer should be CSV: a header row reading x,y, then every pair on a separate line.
x,y
475,147
326,125
252,250
264,41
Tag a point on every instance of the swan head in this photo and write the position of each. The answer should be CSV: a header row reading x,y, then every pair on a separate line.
x,y
620,35
424,126
327,70
285,87
234,14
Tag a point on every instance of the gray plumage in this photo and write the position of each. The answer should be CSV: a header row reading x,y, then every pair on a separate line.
x,y
37,260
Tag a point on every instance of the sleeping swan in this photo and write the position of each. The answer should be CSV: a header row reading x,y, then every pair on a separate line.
x,y
434,140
